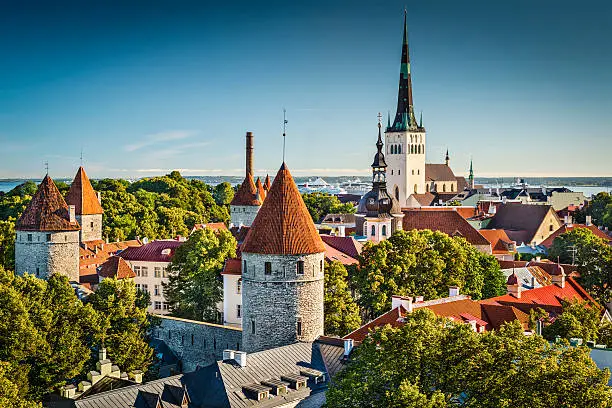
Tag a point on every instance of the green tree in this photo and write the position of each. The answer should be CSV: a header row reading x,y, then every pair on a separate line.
x,y
600,209
124,324
425,263
432,361
224,193
7,244
194,287
341,311
11,395
579,319
321,204
592,256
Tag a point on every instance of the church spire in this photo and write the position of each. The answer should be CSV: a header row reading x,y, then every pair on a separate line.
x,y
471,177
447,158
404,117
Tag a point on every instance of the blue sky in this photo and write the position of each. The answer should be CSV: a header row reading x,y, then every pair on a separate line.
x,y
523,87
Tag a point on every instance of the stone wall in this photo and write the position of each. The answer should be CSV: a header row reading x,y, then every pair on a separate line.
x,y
91,226
197,343
243,214
44,253
274,303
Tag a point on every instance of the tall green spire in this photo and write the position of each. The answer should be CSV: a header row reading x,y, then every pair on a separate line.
x,y
404,95
471,178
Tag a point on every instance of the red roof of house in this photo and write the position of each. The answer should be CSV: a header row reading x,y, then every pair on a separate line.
x,y
465,211
47,211
449,222
425,199
232,266
83,196
154,251
94,253
332,254
439,172
393,317
521,221
499,240
247,193
283,225
348,245
567,228
215,226
116,267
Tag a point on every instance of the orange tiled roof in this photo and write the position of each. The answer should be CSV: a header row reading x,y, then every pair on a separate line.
x,y
567,228
83,196
498,239
464,211
347,245
47,211
260,189
116,267
247,193
267,183
94,253
393,318
283,225
232,266
332,254
215,226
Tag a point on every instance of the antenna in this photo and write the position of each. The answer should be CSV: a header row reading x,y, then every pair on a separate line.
x,y
284,131
46,163
81,157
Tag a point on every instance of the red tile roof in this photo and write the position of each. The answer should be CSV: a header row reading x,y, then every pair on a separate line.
x,y
215,226
283,225
83,196
154,251
332,254
425,199
465,211
567,228
267,183
232,266
439,172
247,193
260,189
499,240
449,222
347,245
116,267
94,253
393,317
240,233
47,211
521,221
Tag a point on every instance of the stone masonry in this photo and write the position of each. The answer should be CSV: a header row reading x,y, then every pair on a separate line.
x,y
197,343
91,226
278,304
243,214
44,253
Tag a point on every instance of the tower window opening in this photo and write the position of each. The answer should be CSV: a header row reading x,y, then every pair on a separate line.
x,y
399,172
244,267
384,231
253,326
391,171
399,149
299,326
48,237
415,189
373,230
239,286
321,267
300,267
268,268
29,237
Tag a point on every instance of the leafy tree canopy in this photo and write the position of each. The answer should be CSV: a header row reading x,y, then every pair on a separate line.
x,y
195,285
425,263
321,204
433,362
341,311
600,209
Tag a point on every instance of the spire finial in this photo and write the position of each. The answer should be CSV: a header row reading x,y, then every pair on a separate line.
x,y
284,131
81,157
46,163
379,120
447,158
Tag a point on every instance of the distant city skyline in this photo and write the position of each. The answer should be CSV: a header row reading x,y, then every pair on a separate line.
x,y
523,88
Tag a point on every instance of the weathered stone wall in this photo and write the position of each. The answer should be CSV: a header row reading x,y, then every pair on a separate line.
x,y
42,257
275,302
197,343
243,214
91,226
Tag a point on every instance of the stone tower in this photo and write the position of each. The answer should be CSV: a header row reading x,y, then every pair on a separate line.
x,y
405,138
282,271
379,214
246,202
47,238
87,206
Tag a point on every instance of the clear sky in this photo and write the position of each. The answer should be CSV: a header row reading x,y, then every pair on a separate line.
x,y
143,87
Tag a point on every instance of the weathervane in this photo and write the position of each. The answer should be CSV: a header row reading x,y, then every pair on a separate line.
x,y
284,131
81,157
379,116
46,163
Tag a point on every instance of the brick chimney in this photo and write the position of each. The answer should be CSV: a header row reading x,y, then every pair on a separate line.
x,y
249,153
558,276
404,301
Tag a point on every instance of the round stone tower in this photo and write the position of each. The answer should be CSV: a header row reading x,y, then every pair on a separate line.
x,y
282,271
47,239
87,205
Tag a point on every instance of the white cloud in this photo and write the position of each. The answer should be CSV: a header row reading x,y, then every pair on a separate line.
x,y
161,137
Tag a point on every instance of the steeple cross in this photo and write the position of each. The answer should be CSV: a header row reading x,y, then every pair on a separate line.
x,y
46,163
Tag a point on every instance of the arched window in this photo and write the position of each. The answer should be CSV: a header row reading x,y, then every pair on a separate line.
x,y
239,286
411,140
391,171
412,149
373,230
421,139
444,188
396,192
415,189
399,172
427,188
399,149
452,187
384,231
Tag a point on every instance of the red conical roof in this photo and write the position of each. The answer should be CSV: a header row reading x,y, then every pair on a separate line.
x,y
283,225
260,189
247,193
47,211
267,183
83,196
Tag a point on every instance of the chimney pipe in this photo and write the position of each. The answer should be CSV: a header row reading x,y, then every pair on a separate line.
x,y
249,153
72,213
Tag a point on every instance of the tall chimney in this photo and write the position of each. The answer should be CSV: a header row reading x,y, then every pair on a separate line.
x,y
249,153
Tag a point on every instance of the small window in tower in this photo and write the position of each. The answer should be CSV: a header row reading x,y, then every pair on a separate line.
x,y
192,338
321,267
48,237
238,311
300,267
91,224
373,230
268,268
413,172
384,231
444,188
399,149
299,326
415,189
551,228
391,171
244,267
37,271
399,172
253,326
419,171
239,286
29,237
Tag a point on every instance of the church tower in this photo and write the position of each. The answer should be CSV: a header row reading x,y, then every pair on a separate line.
x,y
282,271
248,199
47,239
379,214
87,206
405,138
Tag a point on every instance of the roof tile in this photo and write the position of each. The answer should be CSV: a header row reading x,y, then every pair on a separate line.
x,y
247,193
83,196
